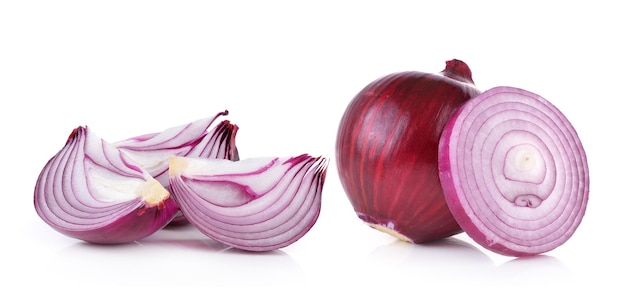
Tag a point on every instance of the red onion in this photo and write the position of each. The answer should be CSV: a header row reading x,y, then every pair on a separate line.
x,y
92,191
257,204
152,151
514,172
387,151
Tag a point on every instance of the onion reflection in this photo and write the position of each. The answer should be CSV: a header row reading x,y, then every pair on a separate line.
x,y
444,260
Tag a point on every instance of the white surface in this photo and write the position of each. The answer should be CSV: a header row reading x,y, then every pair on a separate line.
x,y
286,72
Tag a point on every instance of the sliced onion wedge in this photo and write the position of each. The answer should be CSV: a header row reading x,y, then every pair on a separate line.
x,y
514,172
92,191
152,151
257,204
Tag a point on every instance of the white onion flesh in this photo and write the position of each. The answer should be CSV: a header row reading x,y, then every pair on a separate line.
x,y
514,172
257,204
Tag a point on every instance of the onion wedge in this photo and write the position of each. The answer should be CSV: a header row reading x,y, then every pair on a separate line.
x,y
258,204
152,151
92,191
514,172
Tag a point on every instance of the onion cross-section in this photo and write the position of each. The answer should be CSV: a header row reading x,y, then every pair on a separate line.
x,y
257,204
514,172
92,191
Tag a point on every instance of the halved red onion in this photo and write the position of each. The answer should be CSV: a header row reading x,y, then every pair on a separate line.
x,y
91,191
514,172
257,204
152,151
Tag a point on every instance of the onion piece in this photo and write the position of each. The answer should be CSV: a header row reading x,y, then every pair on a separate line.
x,y
152,151
258,204
514,172
91,191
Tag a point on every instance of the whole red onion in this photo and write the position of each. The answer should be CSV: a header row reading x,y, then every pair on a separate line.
x,y
387,150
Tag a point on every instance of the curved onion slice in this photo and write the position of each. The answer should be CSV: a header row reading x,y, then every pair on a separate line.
x,y
89,190
258,204
152,151
514,172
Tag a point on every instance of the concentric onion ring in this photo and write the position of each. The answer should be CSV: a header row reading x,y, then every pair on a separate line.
x,y
257,204
514,172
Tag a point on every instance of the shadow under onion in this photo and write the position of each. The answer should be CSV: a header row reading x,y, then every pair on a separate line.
x,y
165,259
436,260
534,270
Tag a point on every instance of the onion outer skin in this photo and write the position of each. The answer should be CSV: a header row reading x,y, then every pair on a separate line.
x,y
64,197
387,151
514,172
259,204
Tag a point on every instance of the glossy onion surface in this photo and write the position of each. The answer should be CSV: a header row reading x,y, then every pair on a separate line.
x,y
387,151
514,172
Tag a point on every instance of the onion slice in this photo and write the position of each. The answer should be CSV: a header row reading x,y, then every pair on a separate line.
x,y
257,204
152,151
514,172
92,191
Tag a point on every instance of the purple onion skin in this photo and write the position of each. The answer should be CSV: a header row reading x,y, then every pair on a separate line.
x,y
387,150
140,223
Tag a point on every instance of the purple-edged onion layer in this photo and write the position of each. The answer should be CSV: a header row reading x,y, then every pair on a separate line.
x,y
91,191
257,204
514,172
152,151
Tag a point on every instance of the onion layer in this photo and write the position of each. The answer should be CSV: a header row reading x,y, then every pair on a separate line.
x,y
152,151
92,191
257,204
514,172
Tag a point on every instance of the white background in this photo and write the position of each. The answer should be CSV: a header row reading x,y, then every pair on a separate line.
x,y
286,70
